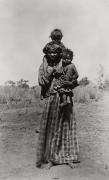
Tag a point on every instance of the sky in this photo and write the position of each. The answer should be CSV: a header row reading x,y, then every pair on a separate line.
x,y
25,26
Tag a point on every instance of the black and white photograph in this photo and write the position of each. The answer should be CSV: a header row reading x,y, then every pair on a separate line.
x,y
54,90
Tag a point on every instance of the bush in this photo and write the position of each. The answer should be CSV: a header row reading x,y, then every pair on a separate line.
x,y
2,99
86,93
84,81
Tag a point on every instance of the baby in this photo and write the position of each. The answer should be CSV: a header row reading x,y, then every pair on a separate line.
x,y
65,78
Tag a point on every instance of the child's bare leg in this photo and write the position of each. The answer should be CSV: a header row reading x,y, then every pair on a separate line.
x,y
64,100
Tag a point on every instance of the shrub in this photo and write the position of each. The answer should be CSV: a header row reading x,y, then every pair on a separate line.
x,y
2,99
84,81
86,93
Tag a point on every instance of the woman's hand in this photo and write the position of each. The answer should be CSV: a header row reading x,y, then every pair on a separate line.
x,y
57,72
54,69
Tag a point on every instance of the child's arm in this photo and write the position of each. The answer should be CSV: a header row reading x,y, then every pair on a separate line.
x,y
73,76
74,72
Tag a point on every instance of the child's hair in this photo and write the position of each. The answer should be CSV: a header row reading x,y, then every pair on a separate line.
x,y
67,53
56,34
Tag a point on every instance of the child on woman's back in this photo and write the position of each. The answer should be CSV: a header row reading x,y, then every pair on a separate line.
x,y
53,49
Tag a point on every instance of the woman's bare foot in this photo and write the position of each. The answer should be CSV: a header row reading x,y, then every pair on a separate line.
x,y
41,166
48,165
73,165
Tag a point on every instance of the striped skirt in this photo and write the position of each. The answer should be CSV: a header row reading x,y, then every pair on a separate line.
x,y
57,140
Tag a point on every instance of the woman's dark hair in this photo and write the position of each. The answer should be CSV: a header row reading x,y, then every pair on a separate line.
x,y
56,34
67,52
52,48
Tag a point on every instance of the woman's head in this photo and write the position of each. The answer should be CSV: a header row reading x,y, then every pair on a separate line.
x,y
54,54
67,56
56,34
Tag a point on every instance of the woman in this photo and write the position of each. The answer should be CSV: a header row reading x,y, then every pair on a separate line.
x,y
57,142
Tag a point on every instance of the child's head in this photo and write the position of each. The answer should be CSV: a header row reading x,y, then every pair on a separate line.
x,y
67,57
56,35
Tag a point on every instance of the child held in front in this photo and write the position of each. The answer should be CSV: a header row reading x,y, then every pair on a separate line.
x,y
65,78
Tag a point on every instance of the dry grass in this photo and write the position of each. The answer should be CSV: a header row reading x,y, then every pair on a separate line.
x,y
14,96
19,97
86,93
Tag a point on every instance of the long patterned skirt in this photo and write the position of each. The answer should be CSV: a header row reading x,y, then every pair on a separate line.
x,y
57,140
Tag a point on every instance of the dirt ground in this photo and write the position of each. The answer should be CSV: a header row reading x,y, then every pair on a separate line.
x,y
18,142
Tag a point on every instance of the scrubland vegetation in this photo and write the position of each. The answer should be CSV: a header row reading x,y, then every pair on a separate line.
x,y
14,96
19,94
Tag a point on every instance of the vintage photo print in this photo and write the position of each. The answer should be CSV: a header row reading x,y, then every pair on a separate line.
x,y
54,89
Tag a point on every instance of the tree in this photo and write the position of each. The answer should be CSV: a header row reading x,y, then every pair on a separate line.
x,y
23,84
10,83
101,77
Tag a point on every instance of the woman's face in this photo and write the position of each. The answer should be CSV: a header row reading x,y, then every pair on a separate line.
x,y
53,59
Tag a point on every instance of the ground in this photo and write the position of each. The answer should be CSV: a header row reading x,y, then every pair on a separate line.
x,y
18,143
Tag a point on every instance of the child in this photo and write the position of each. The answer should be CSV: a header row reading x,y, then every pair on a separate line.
x,y
53,50
65,78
